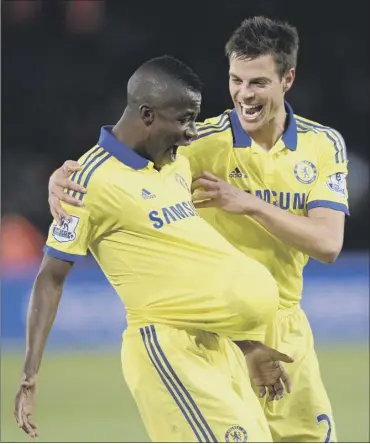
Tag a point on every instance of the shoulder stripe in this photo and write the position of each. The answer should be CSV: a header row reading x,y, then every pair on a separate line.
x,y
332,134
88,156
84,161
205,127
89,153
90,160
307,127
302,129
94,168
226,126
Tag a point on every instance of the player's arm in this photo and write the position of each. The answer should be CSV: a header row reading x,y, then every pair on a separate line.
x,y
59,185
319,233
43,305
60,182
65,245
46,293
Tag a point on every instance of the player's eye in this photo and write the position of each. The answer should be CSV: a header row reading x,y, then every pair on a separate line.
x,y
187,119
236,81
260,83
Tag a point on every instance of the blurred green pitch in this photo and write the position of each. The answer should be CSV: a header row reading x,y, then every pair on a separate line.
x,y
83,398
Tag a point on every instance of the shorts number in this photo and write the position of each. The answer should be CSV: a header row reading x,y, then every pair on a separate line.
x,y
325,418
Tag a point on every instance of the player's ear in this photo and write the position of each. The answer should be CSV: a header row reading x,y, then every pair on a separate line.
x,y
146,114
288,79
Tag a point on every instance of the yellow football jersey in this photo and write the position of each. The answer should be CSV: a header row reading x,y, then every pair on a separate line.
x,y
166,263
305,169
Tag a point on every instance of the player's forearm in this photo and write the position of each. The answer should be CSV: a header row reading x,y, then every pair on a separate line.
x,y
43,306
42,309
303,233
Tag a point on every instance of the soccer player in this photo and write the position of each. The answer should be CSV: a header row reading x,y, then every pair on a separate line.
x,y
195,304
294,171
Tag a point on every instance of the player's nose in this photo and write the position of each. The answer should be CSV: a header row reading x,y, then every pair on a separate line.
x,y
246,93
190,134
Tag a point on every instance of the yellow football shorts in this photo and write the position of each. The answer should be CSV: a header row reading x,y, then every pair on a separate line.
x,y
191,386
305,415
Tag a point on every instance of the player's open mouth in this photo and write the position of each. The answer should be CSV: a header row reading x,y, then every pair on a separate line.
x,y
251,112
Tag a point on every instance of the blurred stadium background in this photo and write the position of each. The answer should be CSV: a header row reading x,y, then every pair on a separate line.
x,y
64,71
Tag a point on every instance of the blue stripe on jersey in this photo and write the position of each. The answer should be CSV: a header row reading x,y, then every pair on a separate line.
x,y
226,126
97,165
86,166
302,129
82,165
166,379
181,385
326,130
333,135
328,204
208,126
62,255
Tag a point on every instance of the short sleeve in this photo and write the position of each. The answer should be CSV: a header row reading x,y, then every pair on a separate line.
x,y
70,241
330,188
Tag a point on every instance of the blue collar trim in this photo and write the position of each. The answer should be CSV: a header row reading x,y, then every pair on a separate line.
x,y
243,139
119,150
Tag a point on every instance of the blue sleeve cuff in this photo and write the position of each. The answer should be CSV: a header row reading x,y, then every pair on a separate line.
x,y
62,255
328,204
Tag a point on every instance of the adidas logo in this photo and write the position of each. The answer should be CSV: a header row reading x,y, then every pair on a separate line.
x,y
145,194
237,173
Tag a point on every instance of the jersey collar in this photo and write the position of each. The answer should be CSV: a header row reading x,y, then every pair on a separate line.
x,y
242,138
119,150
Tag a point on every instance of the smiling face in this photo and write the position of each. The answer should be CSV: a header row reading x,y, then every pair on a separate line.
x,y
257,90
172,124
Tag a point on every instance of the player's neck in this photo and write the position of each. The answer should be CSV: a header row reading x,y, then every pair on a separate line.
x,y
269,134
126,132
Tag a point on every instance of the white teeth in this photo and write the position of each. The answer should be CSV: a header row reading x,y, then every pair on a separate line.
x,y
247,111
248,106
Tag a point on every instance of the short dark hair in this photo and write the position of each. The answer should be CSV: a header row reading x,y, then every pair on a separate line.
x,y
175,69
259,36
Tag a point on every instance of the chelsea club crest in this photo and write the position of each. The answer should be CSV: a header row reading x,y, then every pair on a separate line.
x,y
236,434
305,171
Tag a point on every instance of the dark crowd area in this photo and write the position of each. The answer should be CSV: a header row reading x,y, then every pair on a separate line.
x,y
65,66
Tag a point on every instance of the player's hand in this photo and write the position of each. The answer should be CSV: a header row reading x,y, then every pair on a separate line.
x,y
24,405
59,184
210,191
267,372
